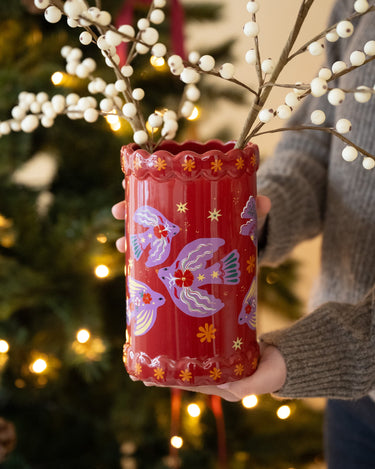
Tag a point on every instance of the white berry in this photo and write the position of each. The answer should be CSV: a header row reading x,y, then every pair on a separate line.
x,y
338,66
332,36
283,111
159,50
368,163
138,94
344,29
343,126
194,57
369,48
155,120
143,23
251,29
150,36
127,71
251,57
189,75
363,94
325,73
159,3
91,115
227,71
140,137
129,110
42,4
357,58
169,115
29,123
106,104
120,85
252,6
206,63
360,6
157,16
265,115
267,66
318,117
187,108
52,14
349,153
85,38
316,48
127,30
113,38
192,93
318,87
291,99
58,103
336,96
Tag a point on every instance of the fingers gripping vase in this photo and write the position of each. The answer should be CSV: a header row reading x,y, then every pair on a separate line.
x,y
190,263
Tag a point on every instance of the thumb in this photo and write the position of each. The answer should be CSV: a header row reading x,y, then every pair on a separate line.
x,y
263,206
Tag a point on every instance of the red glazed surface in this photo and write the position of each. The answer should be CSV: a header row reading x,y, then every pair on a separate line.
x,y
190,262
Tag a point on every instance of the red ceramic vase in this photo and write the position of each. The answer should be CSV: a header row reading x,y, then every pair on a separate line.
x,y
190,263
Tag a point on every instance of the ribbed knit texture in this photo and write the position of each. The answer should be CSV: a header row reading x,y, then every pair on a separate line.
x,y
330,352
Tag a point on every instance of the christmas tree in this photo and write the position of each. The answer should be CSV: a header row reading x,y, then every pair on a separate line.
x,y
63,383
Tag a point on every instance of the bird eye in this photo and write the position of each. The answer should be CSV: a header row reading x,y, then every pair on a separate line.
x,y
163,278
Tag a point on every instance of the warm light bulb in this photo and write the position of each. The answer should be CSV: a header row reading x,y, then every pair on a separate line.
x,y
4,346
57,78
102,238
83,336
157,61
39,366
102,271
194,115
283,412
194,410
177,441
114,122
250,401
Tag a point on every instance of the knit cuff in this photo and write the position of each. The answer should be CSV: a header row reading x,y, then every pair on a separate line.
x,y
324,357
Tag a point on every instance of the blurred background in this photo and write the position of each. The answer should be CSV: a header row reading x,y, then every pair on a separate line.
x,y
62,289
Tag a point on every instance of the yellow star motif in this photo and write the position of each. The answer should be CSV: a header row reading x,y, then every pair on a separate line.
x,y
159,373
237,344
182,207
138,369
201,277
215,274
143,240
214,214
150,235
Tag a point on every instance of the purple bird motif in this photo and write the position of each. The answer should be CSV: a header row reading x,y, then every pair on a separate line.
x,y
249,306
159,235
249,211
189,272
142,305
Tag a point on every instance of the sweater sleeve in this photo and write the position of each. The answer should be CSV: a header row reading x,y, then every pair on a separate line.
x,y
330,352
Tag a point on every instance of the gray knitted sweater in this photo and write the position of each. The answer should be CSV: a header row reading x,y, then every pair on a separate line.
x,y
331,351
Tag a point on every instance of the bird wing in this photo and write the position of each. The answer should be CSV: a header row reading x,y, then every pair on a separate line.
x,y
147,216
144,320
159,251
249,210
199,303
135,287
195,254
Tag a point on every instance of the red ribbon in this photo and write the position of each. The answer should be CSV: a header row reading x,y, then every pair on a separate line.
x,y
176,29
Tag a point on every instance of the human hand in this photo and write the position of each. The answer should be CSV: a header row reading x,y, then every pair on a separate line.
x,y
263,206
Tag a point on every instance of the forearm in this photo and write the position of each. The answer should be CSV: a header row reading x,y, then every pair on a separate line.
x,y
329,353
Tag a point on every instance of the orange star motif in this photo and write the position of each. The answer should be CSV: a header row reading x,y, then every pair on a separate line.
x,y
185,375
215,373
216,165
159,373
239,369
160,164
240,163
207,333
188,165
250,264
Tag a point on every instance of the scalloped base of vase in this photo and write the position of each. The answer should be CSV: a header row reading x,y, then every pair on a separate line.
x,y
188,371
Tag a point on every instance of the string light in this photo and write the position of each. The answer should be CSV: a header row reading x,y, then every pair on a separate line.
x,y
83,336
57,78
102,238
194,410
38,366
283,412
177,442
102,271
194,115
157,62
250,401
113,121
4,346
